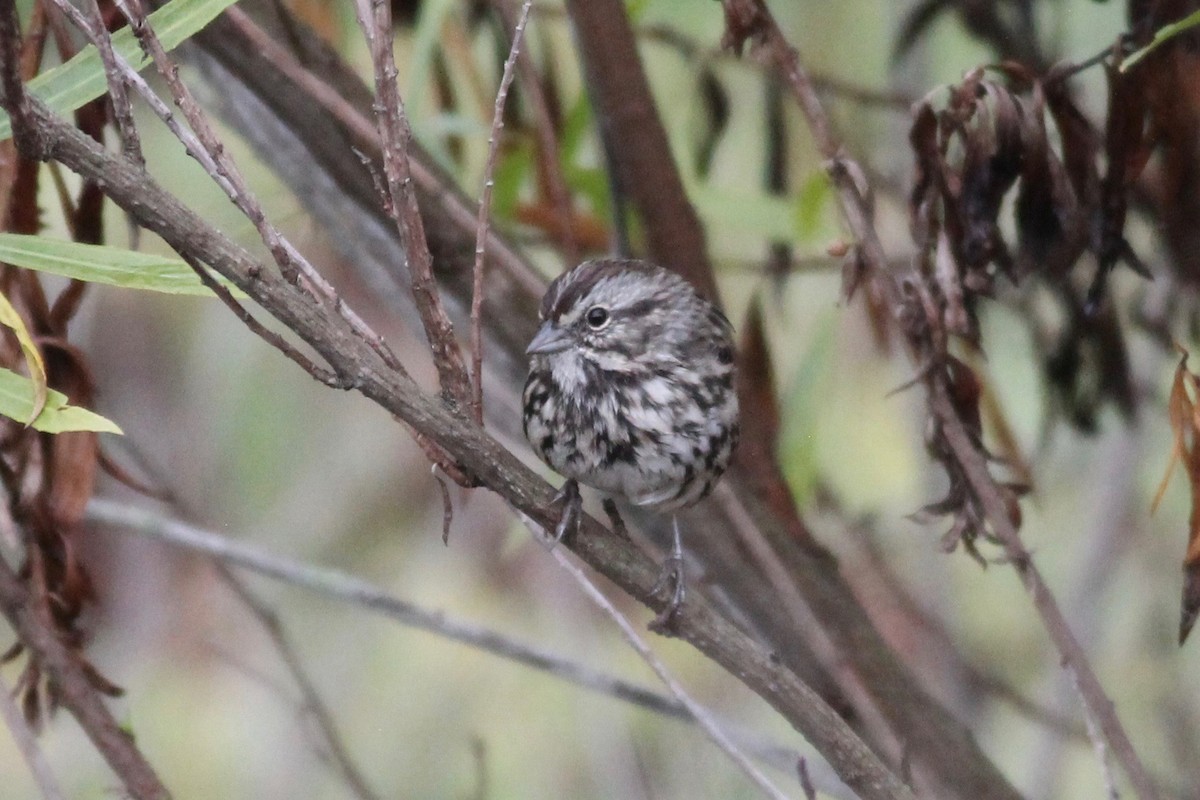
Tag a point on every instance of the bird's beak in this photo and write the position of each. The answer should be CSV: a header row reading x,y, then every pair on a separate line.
x,y
548,339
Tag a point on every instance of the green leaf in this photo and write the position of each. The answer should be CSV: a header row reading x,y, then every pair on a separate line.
x,y
96,263
70,85
1161,35
811,202
33,357
16,402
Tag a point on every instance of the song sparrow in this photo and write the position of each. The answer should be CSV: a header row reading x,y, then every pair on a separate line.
x,y
631,391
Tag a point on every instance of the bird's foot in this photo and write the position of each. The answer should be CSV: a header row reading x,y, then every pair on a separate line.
x,y
572,510
669,580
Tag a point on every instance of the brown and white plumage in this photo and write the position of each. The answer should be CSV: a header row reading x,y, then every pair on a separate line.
x,y
631,384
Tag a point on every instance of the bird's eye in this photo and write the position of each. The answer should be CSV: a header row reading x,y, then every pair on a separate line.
x,y
597,317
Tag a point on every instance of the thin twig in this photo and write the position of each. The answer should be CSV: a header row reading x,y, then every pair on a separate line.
x,y
485,208
203,144
325,376
702,716
806,784
349,589
313,705
750,19
975,678
341,109
375,19
635,142
75,692
14,98
695,51
841,669
558,192
26,741
118,89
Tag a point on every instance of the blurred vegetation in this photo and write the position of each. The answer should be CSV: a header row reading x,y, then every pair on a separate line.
x,y
255,449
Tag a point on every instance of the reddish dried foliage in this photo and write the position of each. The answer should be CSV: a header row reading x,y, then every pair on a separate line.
x,y
49,478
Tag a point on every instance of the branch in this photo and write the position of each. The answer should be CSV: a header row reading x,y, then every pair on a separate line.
x,y
485,206
75,691
558,193
206,147
313,705
349,589
118,89
375,19
355,591
698,712
71,683
26,741
750,19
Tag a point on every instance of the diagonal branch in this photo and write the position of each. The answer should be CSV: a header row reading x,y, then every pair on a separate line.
x,y
355,591
702,716
313,705
375,18
76,692
272,106
750,19
497,468
26,741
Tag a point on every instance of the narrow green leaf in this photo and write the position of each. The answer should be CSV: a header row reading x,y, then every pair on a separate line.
x,y
1161,35
70,85
96,263
16,402
33,357
811,202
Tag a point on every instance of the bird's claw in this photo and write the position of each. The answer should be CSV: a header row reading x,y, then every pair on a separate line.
x,y
671,576
670,579
572,509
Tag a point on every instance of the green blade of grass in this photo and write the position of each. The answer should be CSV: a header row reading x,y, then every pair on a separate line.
x,y
70,85
96,263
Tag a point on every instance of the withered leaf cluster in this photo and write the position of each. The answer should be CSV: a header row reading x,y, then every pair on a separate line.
x,y
48,479
1013,182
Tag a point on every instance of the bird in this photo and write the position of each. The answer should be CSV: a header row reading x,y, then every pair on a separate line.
x,y
632,391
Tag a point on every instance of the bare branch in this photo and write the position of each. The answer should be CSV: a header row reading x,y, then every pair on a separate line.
x,y
701,714
313,705
349,589
321,374
375,18
330,100
485,207
205,146
26,741
634,137
76,692
15,99
557,190
751,20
